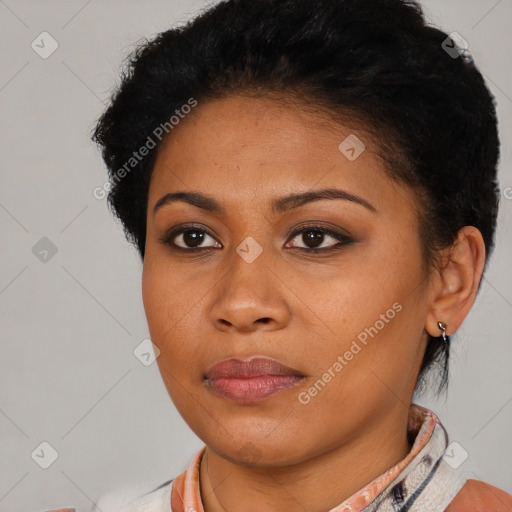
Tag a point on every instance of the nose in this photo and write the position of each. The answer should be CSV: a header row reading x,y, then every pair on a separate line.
x,y
250,297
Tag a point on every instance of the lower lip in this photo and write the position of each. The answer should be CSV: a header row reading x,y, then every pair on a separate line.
x,y
252,389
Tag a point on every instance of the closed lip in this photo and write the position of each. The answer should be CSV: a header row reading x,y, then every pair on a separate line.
x,y
248,368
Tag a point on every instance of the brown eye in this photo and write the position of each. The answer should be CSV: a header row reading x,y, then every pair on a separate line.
x,y
193,238
190,238
319,238
312,238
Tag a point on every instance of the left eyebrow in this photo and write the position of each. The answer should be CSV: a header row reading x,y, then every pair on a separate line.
x,y
286,203
278,205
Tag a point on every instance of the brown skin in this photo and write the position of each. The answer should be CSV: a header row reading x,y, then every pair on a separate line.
x,y
206,307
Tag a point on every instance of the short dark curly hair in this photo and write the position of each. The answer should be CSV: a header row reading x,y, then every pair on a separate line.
x,y
423,101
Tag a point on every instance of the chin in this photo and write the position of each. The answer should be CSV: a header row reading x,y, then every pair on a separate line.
x,y
259,451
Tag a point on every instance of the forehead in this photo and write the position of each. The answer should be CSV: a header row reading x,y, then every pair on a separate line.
x,y
253,148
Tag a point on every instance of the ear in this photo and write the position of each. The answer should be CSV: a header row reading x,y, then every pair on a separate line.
x,y
456,284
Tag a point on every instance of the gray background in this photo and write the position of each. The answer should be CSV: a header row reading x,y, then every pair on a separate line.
x,y
70,325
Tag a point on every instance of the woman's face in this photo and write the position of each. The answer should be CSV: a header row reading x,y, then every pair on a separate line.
x,y
348,317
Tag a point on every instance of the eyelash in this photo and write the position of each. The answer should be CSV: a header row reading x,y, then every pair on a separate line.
x,y
344,240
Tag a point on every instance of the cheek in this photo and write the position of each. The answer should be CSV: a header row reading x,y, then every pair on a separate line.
x,y
168,315
371,313
165,305
154,290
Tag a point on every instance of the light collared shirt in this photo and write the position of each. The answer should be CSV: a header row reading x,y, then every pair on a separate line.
x,y
426,480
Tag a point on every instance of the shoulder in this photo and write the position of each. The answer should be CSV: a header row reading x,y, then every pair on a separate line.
x,y
478,496
140,497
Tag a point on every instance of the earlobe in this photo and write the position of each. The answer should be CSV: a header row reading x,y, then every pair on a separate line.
x,y
458,282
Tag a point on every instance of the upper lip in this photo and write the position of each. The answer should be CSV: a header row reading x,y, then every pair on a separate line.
x,y
246,368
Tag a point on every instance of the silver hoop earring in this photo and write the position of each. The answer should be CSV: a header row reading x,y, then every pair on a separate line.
x,y
442,328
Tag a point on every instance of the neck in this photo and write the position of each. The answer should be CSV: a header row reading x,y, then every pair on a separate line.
x,y
317,484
